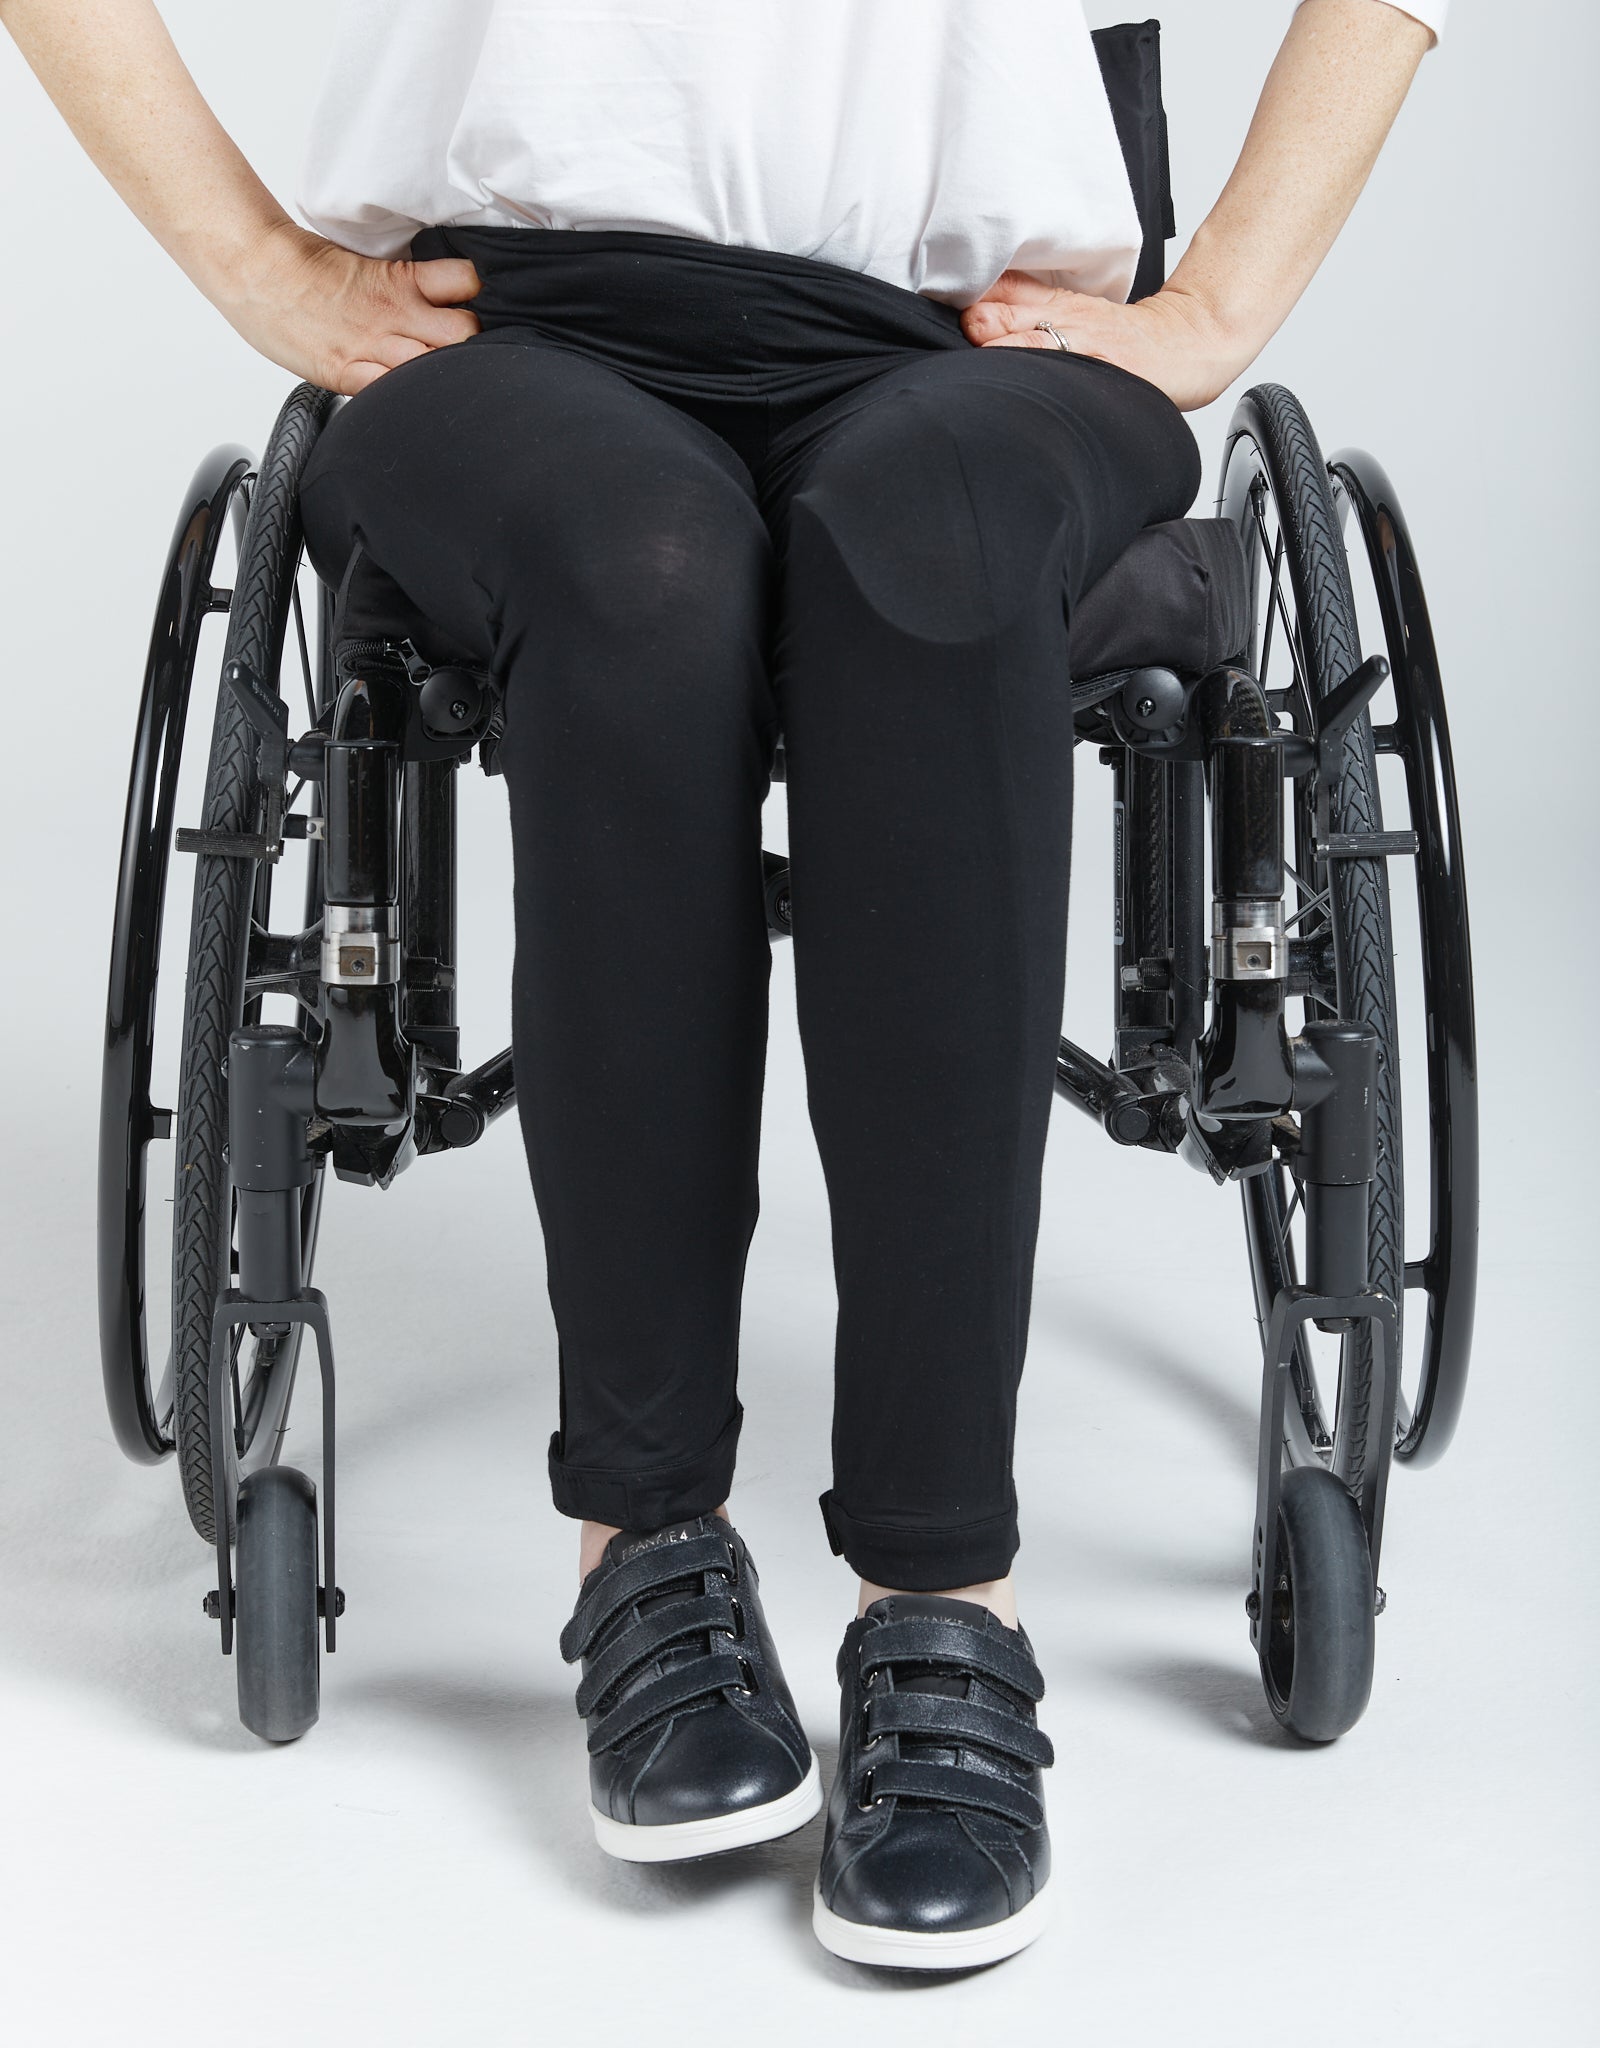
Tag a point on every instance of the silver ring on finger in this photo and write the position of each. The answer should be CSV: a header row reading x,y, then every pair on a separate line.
x,y
1055,334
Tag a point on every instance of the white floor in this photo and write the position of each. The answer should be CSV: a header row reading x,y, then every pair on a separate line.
x,y
421,1865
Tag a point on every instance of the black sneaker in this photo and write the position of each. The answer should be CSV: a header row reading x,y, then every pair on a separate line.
x,y
936,1853
694,1746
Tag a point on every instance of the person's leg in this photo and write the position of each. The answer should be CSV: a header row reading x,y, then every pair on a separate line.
x,y
606,554
933,529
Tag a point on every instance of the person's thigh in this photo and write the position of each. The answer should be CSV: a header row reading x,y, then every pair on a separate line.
x,y
510,487
946,481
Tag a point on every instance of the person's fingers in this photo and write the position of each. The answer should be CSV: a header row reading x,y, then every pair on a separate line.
x,y
357,376
446,280
439,327
421,305
391,350
1012,303
1026,337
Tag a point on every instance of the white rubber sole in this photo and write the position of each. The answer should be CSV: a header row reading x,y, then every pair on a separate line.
x,y
964,1948
675,1841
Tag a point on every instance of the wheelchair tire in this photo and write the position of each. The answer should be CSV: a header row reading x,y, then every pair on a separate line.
x,y
1317,1649
1272,454
277,1656
139,1386
1446,1275
230,893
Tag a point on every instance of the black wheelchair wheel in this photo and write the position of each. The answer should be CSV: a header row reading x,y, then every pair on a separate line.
x,y
136,1353
232,902
1317,1648
276,1653
1305,641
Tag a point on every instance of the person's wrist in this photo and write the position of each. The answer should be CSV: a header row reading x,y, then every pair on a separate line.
x,y
1214,342
234,269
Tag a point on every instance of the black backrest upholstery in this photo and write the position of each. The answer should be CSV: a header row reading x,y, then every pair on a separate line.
x,y
1130,63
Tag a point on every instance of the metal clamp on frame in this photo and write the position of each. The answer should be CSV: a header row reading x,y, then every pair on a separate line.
x,y
360,945
1248,940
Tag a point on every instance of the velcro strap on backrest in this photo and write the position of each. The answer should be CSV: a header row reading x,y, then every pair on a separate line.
x,y
648,1637
949,1785
643,1573
956,1721
955,1643
664,1695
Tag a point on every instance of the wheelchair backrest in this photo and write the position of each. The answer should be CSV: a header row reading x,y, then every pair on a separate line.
x,y
1130,63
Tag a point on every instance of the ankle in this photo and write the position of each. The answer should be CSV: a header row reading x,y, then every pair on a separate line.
x,y
594,1536
998,1595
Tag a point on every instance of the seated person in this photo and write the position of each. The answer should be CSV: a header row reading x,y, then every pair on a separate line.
x,y
719,370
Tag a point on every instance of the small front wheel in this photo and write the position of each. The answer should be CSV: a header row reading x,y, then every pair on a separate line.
x,y
1317,1641
275,1595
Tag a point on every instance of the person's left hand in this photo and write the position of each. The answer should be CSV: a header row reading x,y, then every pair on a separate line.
x,y
1168,339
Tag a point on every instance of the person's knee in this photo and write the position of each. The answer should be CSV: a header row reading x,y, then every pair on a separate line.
x,y
927,514
668,565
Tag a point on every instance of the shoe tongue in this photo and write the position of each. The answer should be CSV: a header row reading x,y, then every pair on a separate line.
x,y
930,1607
630,1542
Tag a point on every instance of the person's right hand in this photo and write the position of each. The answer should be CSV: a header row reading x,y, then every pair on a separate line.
x,y
339,319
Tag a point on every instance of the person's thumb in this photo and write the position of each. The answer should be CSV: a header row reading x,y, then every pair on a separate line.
x,y
447,280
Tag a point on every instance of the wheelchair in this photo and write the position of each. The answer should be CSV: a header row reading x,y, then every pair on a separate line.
x,y
1218,671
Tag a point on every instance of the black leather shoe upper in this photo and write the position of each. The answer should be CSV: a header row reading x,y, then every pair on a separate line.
x,y
936,1820
689,1716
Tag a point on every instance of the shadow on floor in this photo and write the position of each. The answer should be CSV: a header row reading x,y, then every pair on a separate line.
x,y
525,1747
1223,1697
1088,1330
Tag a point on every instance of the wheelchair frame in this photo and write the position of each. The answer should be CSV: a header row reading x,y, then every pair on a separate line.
x,y
1202,1066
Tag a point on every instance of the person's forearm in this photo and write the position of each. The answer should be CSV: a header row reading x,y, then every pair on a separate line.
x,y
112,70
1328,103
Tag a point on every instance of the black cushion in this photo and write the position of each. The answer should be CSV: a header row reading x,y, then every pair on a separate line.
x,y
1178,598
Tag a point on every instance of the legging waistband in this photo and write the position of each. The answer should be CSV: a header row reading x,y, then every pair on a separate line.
x,y
661,303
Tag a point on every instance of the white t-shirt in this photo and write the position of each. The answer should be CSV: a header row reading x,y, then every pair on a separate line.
x,y
932,143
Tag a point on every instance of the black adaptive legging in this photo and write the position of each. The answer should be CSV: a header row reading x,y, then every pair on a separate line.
x,y
685,496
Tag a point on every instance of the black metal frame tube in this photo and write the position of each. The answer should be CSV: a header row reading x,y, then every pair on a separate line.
x,y
428,908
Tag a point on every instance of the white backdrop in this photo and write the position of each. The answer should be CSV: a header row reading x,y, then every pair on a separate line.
x,y
422,1862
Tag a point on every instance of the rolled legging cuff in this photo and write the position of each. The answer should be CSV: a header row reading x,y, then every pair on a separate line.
x,y
648,1499
922,1560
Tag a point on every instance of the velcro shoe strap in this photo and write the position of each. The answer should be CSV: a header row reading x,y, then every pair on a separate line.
x,y
950,1785
664,1695
648,1637
643,1573
952,1642
934,1714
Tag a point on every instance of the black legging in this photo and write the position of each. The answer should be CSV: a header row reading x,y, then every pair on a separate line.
x,y
683,496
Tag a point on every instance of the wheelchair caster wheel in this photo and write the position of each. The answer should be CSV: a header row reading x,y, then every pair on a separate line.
x,y
275,1597
1318,1649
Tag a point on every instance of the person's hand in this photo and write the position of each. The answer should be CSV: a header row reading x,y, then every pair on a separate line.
x,y
339,319
1167,339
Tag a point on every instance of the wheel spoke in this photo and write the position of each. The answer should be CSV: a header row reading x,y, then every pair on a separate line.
x,y
305,652
1272,601
1310,907
1280,605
